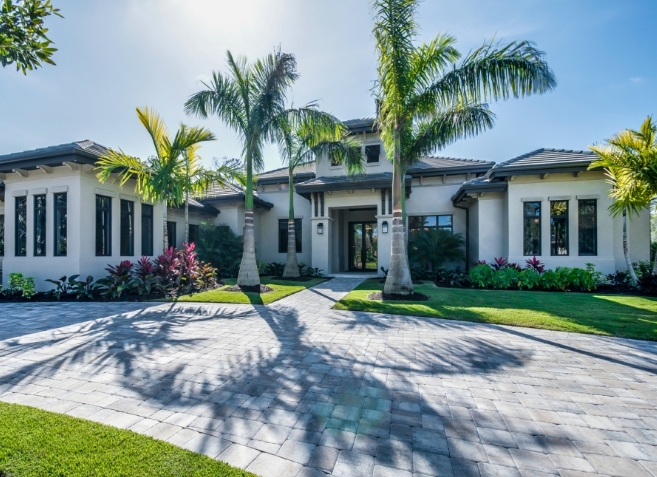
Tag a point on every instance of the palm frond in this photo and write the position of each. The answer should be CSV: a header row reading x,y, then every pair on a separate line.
x,y
154,126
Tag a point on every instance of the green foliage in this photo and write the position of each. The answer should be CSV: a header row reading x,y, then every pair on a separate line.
x,y
23,35
306,271
550,280
431,248
219,246
506,278
63,286
20,286
529,279
482,276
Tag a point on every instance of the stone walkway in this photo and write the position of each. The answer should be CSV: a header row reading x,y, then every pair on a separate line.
x,y
296,388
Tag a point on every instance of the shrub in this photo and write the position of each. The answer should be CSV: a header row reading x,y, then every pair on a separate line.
x,y
499,263
20,286
63,286
454,278
549,280
431,248
167,268
648,284
482,276
580,279
119,281
529,279
275,269
220,247
535,264
148,281
506,278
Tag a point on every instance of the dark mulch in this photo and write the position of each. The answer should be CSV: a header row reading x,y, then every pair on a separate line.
x,y
395,297
254,289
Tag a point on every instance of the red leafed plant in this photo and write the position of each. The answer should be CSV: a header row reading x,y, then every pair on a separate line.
x,y
500,263
535,264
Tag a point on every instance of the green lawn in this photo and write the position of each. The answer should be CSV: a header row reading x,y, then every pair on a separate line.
x,y
613,315
35,443
282,288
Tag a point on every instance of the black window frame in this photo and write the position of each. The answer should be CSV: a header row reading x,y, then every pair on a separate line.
x,y
194,232
104,227
39,209
147,230
172,233
2,235
527,220
282,235
593,229
60,223
127,228
565,218
413,228
372,153
20,210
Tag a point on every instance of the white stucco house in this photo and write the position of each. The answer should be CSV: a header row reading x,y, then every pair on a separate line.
x,y
57,219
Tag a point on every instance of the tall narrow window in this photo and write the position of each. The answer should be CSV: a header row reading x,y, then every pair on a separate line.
x,y
127,228
103,226
171,234
2,235
39,225
20,229
146,230
60,224
588,226
559,227
531,228
282,235
193,233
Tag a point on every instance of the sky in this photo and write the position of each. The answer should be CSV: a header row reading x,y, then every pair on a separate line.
x,y
116,55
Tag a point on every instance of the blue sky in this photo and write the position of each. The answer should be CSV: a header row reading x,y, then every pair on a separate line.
x,y
114,56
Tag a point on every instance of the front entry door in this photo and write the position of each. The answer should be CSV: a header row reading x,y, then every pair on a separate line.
x,y
363,246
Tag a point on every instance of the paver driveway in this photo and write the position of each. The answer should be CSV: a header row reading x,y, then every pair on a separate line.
x,y
299,389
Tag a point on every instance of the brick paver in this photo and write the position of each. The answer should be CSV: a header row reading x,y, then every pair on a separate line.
x,y
297,388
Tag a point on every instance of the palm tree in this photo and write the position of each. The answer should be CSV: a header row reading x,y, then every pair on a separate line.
x,y
251,100
427,100
171,174
630,162
320,137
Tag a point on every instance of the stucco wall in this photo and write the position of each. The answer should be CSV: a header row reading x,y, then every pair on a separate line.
x,y
324,167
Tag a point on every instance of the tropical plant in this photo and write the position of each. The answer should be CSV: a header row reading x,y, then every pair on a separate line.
x,y
221,247
431,248
23,35
63,286
629,159
428,100
529,279
83,289
148,281
173,172
535,264
20,286
318,137
251,99
482,276
119,281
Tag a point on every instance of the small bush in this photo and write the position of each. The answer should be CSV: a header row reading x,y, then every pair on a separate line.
x,y
506,278
20,286
529,279
482,276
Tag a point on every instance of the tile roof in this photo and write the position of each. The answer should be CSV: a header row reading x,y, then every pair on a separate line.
x,y
230,193
86,147
360,125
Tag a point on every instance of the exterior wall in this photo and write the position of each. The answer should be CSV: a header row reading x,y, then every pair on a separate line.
x,y
491,229
324,167
177,215
591,185
81,187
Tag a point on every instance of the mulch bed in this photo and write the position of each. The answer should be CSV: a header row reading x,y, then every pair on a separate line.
x,y
395,297
253,289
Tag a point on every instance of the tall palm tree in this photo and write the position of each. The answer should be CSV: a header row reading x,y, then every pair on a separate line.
x,y
321,136
171,174
630,162
428,100
251,99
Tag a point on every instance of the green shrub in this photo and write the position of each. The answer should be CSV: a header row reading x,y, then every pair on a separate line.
x,y
529,279
219,246
580,279
429,249
549,280
482,276
20,285
506,278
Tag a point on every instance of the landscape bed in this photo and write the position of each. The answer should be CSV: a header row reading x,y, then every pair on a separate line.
x,y
626,316
36,443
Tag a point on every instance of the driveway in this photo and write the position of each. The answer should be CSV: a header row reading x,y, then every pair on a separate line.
x,y
296,388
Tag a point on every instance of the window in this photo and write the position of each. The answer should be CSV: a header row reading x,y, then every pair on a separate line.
x,y
559,227
193,233
282,235
20,244
39,225
147,230
103,226
2,235
430,222
171,234
588,226
532,228
372,154
127,228
60,224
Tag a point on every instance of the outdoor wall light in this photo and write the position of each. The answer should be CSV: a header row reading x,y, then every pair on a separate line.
x,y
320,228
384,227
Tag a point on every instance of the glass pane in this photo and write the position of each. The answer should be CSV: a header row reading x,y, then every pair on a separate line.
x,y
39,225
445,220
588,230
532,229
282,236
2,235
103,226
559,228
429,221
21,227
60,224
532,209
297,234
357,246
171,234
371,247
146,229
127,228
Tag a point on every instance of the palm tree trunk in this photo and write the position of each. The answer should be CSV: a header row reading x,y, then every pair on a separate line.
x,y
164,226
291,264
398,280
186,217
248,274
626,250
